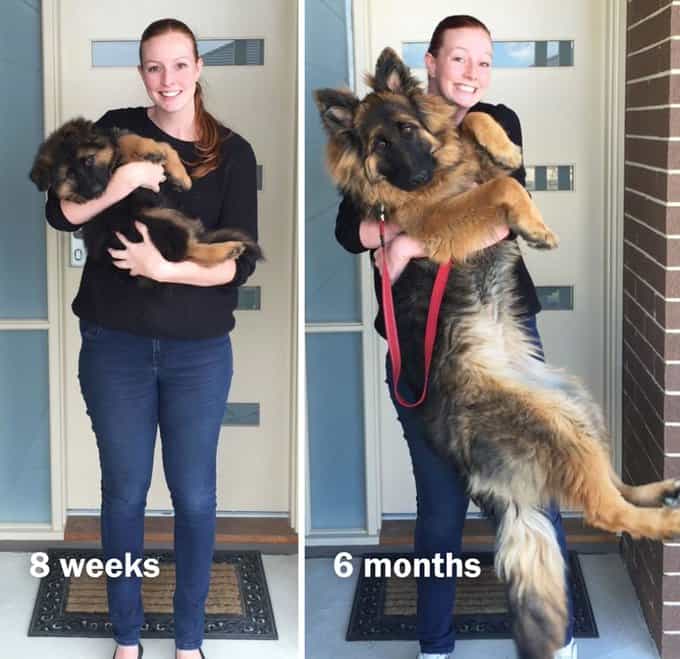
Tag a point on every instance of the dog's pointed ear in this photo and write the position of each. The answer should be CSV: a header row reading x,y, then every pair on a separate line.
x,y
392,75
337,108
41,172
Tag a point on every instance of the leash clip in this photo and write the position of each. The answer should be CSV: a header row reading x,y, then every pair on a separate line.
x,y
382,226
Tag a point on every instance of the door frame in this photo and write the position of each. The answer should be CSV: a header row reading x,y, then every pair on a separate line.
x,y
54,323
614,120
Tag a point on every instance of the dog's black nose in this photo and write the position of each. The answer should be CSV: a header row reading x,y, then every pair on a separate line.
x,y
423,176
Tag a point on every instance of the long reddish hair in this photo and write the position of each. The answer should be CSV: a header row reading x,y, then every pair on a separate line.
x,y
453,23
210,131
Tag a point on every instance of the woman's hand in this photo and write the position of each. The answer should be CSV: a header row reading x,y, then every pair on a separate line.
x,y
369,232
403,248
141,259
133,175
397,255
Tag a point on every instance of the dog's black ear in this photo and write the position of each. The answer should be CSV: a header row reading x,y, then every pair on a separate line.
x,y
41,172
337,108
392,75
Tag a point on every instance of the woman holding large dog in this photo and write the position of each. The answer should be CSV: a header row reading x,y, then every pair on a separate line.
x,y
160,356
458,62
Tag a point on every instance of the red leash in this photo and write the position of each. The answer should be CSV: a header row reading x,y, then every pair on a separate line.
x,y
391,323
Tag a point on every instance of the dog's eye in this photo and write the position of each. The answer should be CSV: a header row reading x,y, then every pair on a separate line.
x,y
407,129
88,161
380,144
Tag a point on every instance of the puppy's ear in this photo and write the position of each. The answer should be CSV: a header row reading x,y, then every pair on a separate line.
x,y
392,75
43,166
337,108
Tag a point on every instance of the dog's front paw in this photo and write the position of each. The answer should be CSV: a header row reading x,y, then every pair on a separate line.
x,y
179,180
541,239
157,157
491,137
509,156
526,220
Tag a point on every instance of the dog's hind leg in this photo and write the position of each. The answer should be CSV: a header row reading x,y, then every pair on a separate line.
x,y
583,475
213,253
586,477
543,446
651,495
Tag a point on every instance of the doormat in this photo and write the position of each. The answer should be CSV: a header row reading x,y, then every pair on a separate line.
x,y
384,608
238,604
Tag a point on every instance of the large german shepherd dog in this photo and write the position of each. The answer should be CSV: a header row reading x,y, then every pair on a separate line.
x,y
77,162
521,432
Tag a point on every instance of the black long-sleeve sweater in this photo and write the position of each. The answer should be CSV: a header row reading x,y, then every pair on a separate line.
x,y
226,197
350,216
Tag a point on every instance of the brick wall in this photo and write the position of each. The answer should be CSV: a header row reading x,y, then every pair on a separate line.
x,y
650,285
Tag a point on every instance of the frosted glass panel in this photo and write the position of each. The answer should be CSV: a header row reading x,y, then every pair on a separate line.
x,y
23,291
507,54
241,414
331,274
549,178
24,428
215,52
336,431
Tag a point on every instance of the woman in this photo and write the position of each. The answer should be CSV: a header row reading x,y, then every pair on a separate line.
x,y
160,356
458,64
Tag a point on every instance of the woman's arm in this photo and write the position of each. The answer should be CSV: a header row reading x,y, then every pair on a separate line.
x,y
144,259
239,211
124,180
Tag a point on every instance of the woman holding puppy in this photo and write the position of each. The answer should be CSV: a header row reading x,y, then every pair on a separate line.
x,y
458,63
160,357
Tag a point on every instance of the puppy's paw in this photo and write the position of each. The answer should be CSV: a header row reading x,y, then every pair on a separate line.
x,y
152,156
179,180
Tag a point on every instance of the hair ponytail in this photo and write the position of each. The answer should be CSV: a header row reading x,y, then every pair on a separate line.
x,y
211,135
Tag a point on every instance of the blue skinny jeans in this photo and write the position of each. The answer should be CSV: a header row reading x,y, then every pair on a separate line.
x,y
133,385
442,504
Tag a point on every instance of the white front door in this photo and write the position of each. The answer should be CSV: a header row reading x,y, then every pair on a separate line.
x,y
258,102
552,74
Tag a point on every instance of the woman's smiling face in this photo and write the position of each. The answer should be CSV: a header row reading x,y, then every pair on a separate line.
x,y
170,70
461,71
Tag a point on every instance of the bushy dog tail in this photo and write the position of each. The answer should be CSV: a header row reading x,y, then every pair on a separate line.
x,y
529,561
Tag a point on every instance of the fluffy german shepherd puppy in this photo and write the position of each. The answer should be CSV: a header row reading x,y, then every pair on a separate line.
x,y
77,162
521,432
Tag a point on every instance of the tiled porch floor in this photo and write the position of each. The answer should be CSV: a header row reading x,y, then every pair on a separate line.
x,y
17,597
623,633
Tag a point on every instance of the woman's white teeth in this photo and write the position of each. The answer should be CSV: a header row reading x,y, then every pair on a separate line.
x,y
170,93
466,88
